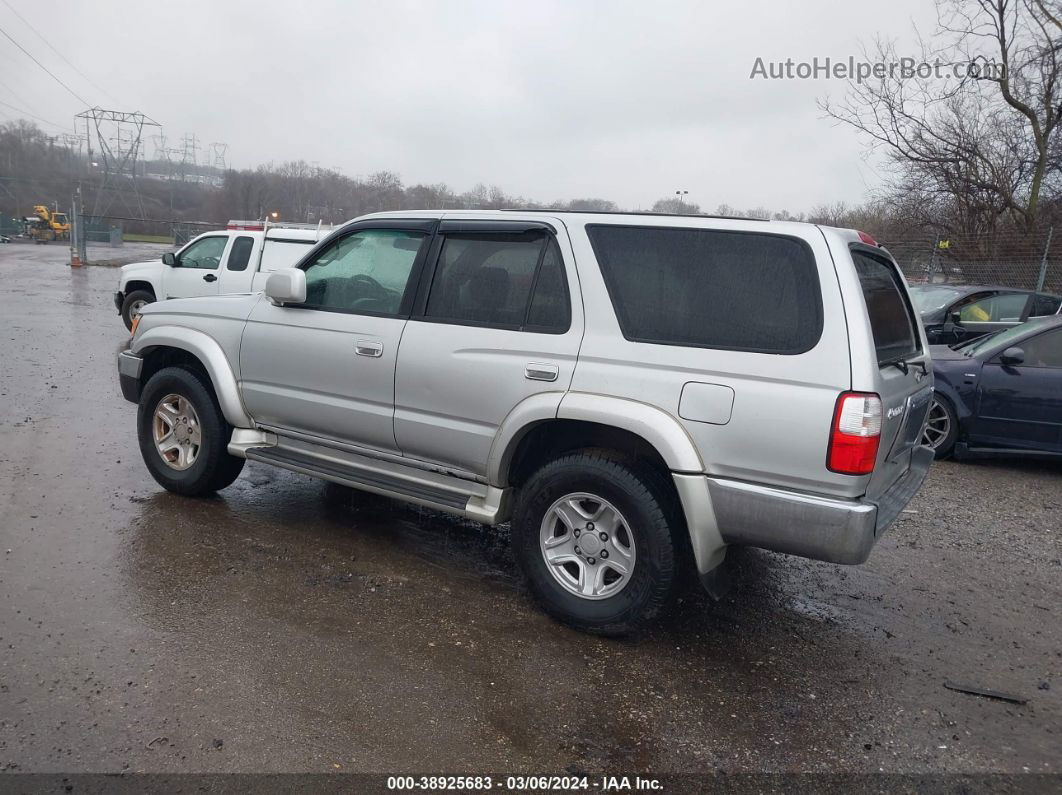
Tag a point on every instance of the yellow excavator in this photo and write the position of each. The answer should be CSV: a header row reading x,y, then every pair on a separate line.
x,y
46,225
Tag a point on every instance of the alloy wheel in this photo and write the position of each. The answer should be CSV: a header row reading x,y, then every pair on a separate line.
x,y
938,426
176,431
588,546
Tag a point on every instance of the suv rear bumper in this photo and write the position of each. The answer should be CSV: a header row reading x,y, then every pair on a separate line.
x,y
822,528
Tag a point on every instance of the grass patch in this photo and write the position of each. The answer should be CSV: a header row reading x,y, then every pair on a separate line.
x,y
131,237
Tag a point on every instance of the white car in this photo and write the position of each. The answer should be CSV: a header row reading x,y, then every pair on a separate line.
x,y
237,259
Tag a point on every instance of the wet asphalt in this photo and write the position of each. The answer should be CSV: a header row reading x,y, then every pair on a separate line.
x,y
291,625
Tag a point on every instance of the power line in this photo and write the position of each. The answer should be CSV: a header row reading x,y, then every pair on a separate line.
x,y
45,68
57,52
32,116
13,93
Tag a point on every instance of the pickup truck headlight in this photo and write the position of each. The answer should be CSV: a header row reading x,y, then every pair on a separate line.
x,y
136,322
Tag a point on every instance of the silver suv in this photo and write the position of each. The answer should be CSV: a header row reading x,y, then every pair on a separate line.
x,y
633,392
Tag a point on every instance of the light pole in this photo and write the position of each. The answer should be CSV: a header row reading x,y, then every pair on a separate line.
x,y
681,194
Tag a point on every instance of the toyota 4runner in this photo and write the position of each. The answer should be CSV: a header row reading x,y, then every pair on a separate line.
x,y
634,393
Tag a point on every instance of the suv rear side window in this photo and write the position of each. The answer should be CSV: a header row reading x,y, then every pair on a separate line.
x,y
710,288
510,281
891,318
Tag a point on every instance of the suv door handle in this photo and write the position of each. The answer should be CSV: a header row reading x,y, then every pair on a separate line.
x,y
210,277
368,348
541,372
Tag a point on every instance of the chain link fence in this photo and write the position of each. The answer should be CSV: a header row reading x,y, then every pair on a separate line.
x,y
115,230
1022,261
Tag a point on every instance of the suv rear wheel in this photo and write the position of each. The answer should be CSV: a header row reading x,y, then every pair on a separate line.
x,y
591,533
183,434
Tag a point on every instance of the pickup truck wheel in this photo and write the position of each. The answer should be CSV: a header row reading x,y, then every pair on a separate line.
x,y
132,305
183,434
942,428
592,536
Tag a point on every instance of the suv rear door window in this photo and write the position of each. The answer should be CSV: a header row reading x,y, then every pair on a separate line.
x,y
502,280
891,317
711,288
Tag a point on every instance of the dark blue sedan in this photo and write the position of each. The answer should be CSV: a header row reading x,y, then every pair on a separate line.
x,y
999,394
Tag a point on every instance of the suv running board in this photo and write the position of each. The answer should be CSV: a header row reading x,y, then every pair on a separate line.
x,y
349,476
487,509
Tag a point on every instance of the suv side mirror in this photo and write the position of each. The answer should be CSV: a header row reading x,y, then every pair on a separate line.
x,y
286,286
1012,356
169,258
955,318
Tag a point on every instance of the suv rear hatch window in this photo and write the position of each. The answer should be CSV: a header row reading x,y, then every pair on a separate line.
x,y
891,318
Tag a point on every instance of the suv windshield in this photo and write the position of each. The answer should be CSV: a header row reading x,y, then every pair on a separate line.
x,y
895,334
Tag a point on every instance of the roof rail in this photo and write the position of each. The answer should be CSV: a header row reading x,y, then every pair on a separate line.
x,y
629,212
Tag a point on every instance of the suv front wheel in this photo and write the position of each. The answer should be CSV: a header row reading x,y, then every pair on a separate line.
x,y
183,434
592,535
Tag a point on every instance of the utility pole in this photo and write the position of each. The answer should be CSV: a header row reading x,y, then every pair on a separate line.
x,y
681,198
78,233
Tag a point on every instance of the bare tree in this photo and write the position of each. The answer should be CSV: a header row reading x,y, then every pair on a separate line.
x,y
973,137
676,206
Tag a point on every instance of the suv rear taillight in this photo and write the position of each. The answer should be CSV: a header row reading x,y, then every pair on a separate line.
x,y
855,434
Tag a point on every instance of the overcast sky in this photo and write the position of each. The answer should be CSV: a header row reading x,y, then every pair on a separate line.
x,y
549,100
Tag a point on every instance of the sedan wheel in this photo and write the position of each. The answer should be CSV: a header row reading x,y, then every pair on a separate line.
x,y
941,429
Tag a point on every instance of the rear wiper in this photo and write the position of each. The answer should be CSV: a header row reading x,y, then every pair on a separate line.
x,y
905,367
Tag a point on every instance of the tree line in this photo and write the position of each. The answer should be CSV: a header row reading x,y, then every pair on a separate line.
x,y
974,158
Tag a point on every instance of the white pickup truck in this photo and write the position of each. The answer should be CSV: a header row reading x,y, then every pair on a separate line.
x,y
237,259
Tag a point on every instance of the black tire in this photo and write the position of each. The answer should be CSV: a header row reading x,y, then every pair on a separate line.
x,y
131,300
943,446
213,467
650,517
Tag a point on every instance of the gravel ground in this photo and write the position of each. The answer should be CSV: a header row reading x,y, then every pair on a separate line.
x,y
289,625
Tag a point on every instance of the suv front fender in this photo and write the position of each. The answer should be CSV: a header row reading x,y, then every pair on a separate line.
x,y
213,359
